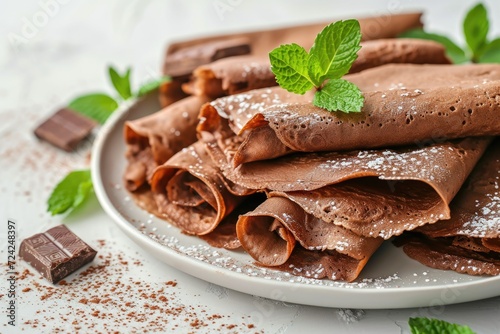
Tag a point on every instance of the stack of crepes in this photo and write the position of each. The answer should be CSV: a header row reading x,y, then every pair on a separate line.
x,y
316,193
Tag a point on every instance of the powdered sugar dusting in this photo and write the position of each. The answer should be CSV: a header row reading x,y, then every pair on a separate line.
x,y
389,164
485,221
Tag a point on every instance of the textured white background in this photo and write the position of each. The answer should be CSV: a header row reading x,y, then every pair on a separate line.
x,y
51,51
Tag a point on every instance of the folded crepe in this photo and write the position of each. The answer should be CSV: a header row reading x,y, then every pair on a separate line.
x,y
190,190
374,193
404,104
153,139
324,250
398,51
469,242
229,76
263,41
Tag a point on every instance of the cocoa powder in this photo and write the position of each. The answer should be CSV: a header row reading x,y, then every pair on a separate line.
x,y
106,298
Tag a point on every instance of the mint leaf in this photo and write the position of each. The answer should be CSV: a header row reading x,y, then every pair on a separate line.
x,y
339,94
334,50
476,26
331,56
97,106
436,326
289,64
152,85
475,29
121,82
491,52
70,192
453,51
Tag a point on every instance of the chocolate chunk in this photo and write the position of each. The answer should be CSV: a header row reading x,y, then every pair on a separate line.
x,y
56,253
185,60
65,129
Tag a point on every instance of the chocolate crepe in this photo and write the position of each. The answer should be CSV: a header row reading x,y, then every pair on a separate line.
x,y
234,75
374,193
190,190
153,139
469,241
263,41
230,76
398,51
183,57
270,233
404,104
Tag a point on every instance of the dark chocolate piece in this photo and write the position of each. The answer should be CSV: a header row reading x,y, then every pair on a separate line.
x,y
56,253
185,60
65,129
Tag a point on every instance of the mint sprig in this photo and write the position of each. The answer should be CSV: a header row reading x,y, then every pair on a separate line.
x,y
99,106
331,56
436,326
475,28
70,192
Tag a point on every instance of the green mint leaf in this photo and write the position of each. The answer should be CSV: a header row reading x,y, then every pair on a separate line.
x,y
491,52
331,56
70,192
339,95
476,26
436,326
97,106
453,51
334,50
121,82
289,65
152,85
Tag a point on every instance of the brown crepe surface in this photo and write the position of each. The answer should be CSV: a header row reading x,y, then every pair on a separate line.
x,y
263,41
371,192
230,76
223,236
153,139
398,50
476,208
469,241
234,75
260,233
440,253
280,235
404,104
374,192
190,190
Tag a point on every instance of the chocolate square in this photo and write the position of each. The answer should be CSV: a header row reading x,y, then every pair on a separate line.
x,y
65,129
56,253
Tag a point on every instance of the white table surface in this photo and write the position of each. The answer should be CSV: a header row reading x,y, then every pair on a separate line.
x,y
51,51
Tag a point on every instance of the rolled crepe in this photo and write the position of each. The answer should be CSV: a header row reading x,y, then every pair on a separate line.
x,y
270,233
398,51
404,104
229,76
263,41
374,193
469,241
190,190
153,139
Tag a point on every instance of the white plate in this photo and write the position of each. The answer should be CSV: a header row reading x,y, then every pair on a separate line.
x,y
390,280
